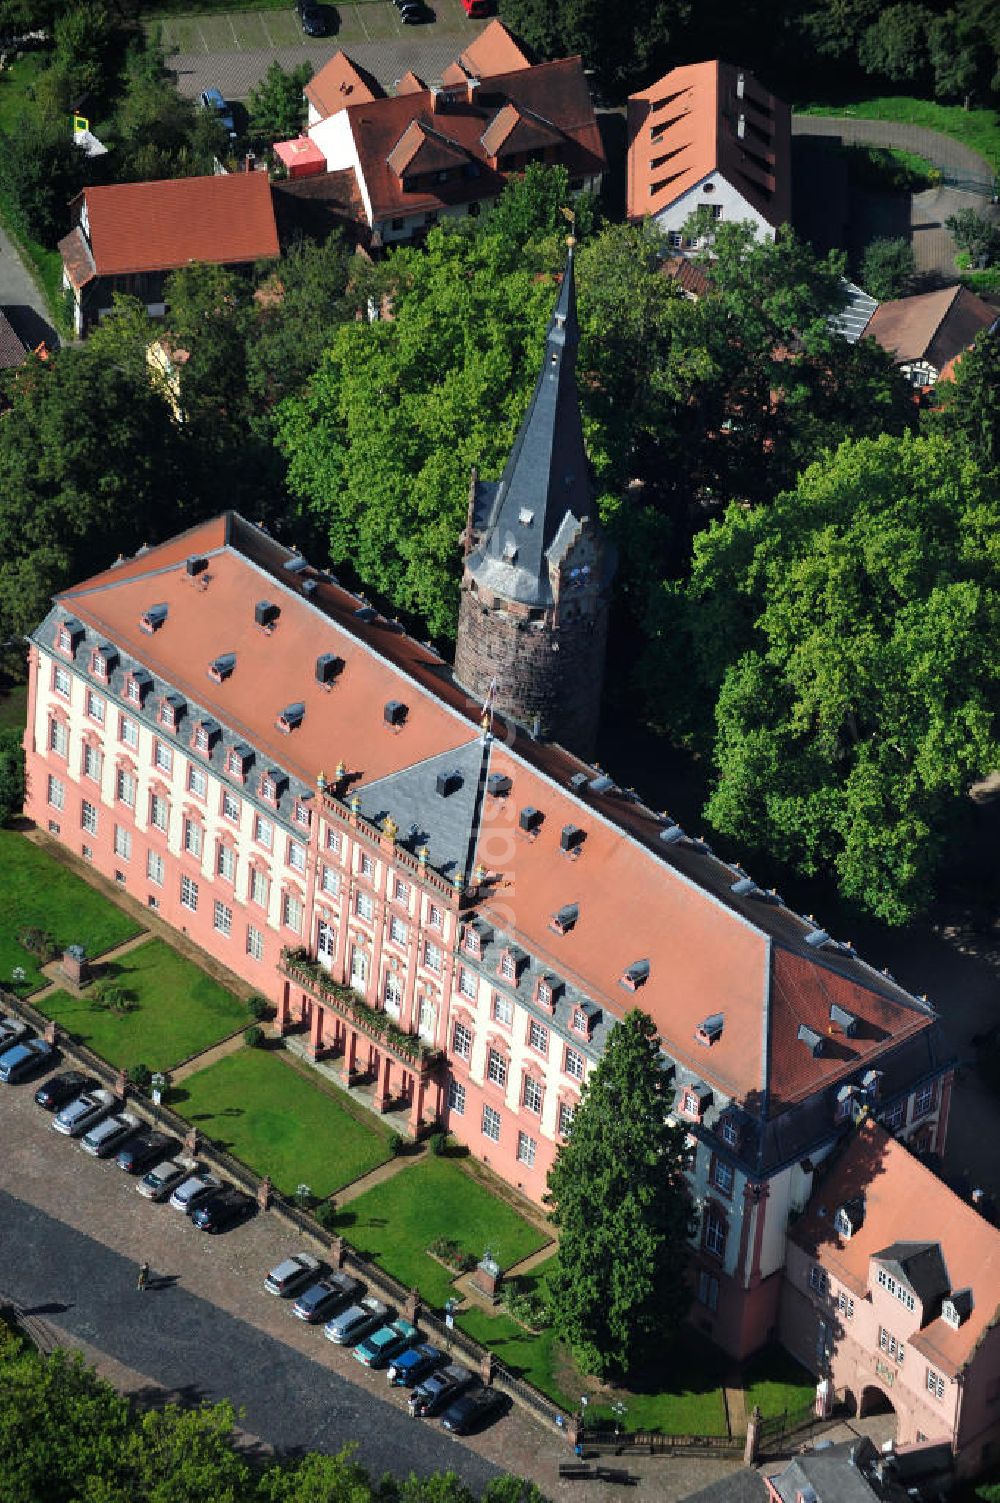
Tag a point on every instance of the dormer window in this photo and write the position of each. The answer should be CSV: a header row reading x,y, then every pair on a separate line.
x,y
690,1105
202,737
812,1040
957,1308
472,941
710,1031
544,993
730,1132
168,715
103,660
849,1217
291,717
152,619
137,686
238,760
302,814
508,969
636,975
68,634
269,788
565,919
64,640
580,1022
222,667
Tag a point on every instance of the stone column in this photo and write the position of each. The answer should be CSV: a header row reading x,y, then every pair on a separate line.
x,y
121,1086
350,1054
383,1092
51,1034
486,1368
264,1193
417,1104
411,1308
337,1251
753,1437
316,1031
283,1014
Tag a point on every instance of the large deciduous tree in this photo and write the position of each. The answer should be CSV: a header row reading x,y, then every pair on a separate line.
x,y
276,105
620,1200
969,411
623,44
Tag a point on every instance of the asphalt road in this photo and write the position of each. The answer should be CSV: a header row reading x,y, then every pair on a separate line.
x,y
21,300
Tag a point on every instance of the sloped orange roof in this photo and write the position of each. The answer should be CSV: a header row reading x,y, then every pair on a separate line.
x,y
703,118
906,1202
410,83
513,130
934,326
158,226
420,149
493,51
341,81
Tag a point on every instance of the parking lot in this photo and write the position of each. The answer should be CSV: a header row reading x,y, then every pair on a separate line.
x,y
233,50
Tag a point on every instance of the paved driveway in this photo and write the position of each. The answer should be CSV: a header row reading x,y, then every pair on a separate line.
x,y
232,51
21,300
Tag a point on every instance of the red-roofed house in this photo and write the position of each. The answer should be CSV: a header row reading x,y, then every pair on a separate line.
x,y
893,1292
128,237
340,82
928,331
708,134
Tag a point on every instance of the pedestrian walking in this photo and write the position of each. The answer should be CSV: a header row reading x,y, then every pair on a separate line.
x,y
143,1280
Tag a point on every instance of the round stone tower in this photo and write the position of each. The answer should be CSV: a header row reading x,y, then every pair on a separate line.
x,y
533,618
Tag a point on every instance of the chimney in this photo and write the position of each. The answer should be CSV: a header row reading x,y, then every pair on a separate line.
x,y
740,82
470,88
437,99
741,126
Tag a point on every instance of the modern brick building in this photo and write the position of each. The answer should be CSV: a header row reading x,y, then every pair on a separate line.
x,y
456,912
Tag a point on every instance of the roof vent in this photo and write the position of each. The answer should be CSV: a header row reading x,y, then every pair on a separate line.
x,y
525,517
195,565
571,837
296,565
220,668
510,552
812,1040
744,887
530,819
291,716
309,586
602,784
153,619
265,614
817,939
579,780
498,784
448,783
365,613
328,665
636,975
394,712
846,1021
565,919
672,834
710,1031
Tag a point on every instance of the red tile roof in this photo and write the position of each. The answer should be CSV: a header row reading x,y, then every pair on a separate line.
x,y
687,126
159,226
932,326
410,83
493,51
905,1202
341,81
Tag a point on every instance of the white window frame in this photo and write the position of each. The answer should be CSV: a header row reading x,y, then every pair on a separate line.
x,y
222,919
88,817
255,943
154,868
189,893
456,1098
497,1068
163,756
128,731
491,1124
123,842
292,912
62,682
527,1149
503,1009
567,1111
532,1095
197,780
56,795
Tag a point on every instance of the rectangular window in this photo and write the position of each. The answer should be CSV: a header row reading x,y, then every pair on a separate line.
x,y
364,906
456,1098
708,1290
128,731
435,917
531,1095
133,692
225,862
690,1105
491,1124
154,867
893,1348
330,881
894,1118
468,983
258,886
123,843
845,1304
496,1068
291,912
57,792
201,738
401,891
428,1020
189,894
715,1233
92,763
574,1064
197,780
432,955
95,707
296,856
566,1113
65,639
263,831
125,788
397,930
222,919
461,1041
230,806
925,1100
333,841
508,970
538,1037
526,1150
392,994
723,1177
163,756
157,811
60,680
579,1020
255,943
818,1281
935,1383
366,865
730,1132
89,818
192,837
302,815
503,1009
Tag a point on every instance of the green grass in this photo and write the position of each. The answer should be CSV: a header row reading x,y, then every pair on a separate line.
x,y
16,86
39,892
180,1011
397,1221
776,1382
979,129
890,169
256,1105
14,708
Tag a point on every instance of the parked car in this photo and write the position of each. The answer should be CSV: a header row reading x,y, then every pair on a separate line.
x,y
413,14
312,18
12,1031
197,1187
325,1296
473,1409
101,1141
159,1182
442,1388
85,1112
66,1086
292,1274
413,1365
356,1321
25,1059
226,1207
211,99
144,1150
382,1345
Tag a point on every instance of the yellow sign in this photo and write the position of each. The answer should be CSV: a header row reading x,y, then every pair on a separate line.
x,y
80,123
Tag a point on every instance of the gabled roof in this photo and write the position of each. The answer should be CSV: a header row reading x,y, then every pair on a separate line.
x,y
410,83
905,1203
78,263
134,227
703,118
513,130
339,82
932,326
493,51
12,351
422,149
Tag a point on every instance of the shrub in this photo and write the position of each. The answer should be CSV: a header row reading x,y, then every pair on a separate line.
x,y
452,1254
326,1214
528,1307
253,1036
141,1076
258,1007
39,942
438,1143
114,998
887,268
396,1143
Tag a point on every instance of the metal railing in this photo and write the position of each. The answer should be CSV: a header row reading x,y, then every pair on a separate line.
x,y
653,1443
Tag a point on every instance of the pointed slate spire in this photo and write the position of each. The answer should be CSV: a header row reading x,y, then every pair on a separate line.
x,y
547,476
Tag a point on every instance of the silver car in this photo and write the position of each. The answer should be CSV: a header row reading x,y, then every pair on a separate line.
x,y
84,1113
292,1274
108,1136
162,1179
356,1321
193,1189
12,1031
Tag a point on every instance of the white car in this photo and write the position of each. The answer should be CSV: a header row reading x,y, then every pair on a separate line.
x,y
84,1113
292,1274
163,1178
194,1189
356,1321
107,1137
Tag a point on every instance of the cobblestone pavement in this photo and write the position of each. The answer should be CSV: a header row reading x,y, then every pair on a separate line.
x,y
72,1233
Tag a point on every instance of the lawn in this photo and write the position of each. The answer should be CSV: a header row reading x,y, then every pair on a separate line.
x,y
39,892
979,129
180,1010
775,1382
397,1220
13,707
256,1105
16,86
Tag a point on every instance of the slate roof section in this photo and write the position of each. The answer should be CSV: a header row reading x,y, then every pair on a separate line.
x,y
921,1266
687,126
339,82
441,821
158,226
932,326
838,1474
12,352
902,1199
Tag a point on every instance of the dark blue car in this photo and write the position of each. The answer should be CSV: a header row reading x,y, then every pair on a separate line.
x,y
26,1059
413,1365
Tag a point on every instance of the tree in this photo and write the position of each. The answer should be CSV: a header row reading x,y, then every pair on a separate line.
x,y
841,634
300,307
895,46
40,171
887,267
978,236
11,776
276,106
620,1201
623,44
969,411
